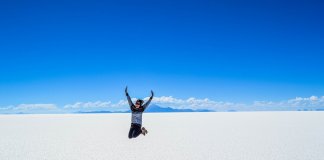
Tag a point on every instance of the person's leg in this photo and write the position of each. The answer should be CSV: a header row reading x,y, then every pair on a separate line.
x,y
137,131
130,133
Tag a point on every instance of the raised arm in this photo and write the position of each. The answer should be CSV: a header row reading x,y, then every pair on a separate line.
x,y
129,98
149,101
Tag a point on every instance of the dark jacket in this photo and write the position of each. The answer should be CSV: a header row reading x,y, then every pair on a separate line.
x,y
137,112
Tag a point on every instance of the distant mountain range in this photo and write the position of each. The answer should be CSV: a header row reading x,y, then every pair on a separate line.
x,y
156,108
153,109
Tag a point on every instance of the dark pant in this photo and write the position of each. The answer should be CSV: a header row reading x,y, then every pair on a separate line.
x,y
135,130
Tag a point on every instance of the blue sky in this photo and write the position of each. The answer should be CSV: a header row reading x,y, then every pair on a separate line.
x,y
62,52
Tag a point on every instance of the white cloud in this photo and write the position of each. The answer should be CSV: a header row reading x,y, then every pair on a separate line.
x,y
313,98
194,103
6,108
98,105
310,103
30,108
35,107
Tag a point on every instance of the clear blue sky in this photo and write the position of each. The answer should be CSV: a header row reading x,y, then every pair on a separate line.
x,y
67,51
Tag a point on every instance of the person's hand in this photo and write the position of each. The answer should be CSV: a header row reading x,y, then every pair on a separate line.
x,y
152,94
126,92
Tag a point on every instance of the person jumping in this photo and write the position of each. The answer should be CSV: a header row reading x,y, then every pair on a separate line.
x,y
137,110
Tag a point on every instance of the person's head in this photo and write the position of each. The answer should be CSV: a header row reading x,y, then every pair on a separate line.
x,y
139,103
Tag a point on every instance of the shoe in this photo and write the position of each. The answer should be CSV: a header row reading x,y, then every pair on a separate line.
x,y
144,131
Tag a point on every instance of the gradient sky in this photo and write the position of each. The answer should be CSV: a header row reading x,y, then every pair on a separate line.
x,y
68,51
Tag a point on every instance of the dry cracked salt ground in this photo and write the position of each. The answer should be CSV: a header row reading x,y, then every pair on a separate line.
x,y
219,135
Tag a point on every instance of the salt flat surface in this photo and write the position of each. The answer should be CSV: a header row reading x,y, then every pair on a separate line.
x,y
181,136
